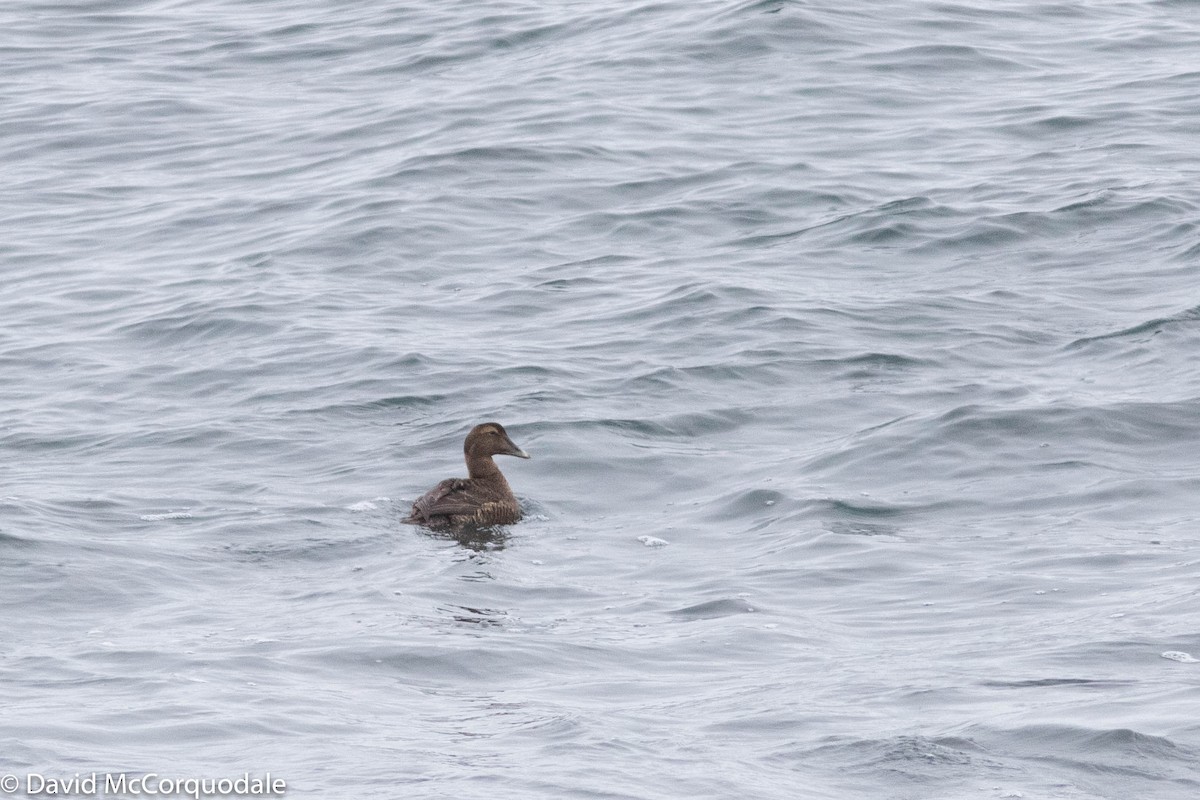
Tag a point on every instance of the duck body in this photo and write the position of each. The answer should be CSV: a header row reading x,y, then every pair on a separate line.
x,y
480,500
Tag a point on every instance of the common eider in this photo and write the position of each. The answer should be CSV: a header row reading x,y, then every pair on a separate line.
x,y
480,500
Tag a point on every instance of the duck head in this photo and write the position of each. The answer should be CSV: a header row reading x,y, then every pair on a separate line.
x,y
490,439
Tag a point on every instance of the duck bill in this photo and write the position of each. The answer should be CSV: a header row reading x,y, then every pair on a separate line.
x,y
513,450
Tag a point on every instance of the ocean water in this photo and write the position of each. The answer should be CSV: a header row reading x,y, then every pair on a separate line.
x,y
854,345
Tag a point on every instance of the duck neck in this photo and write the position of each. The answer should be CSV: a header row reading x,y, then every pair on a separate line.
x,y
483,468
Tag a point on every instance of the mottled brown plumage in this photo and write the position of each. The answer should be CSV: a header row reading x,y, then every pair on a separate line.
x,y
482,499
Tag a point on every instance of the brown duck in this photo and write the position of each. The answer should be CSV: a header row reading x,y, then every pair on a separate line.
x,y
482,499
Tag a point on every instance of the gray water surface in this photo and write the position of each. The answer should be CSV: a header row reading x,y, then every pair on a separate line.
x,y
855,347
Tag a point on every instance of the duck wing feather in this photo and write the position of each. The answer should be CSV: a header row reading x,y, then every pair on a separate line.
x,y
451,497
